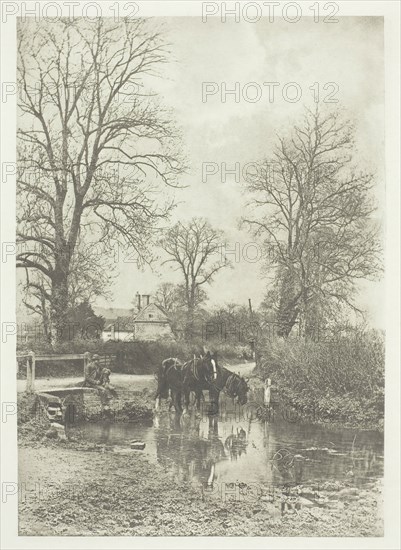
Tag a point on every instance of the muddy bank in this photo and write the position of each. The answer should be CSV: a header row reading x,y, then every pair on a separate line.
x,y
81,487
98,492
77,487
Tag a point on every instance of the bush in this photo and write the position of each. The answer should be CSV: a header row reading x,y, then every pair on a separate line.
x,y
341,379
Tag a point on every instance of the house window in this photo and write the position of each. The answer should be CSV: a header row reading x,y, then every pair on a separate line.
x,y
150,315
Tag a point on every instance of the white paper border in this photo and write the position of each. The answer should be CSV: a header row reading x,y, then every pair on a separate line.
x,y
9,464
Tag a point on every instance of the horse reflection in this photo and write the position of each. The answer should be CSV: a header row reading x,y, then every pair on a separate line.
x,y
236,443
184,449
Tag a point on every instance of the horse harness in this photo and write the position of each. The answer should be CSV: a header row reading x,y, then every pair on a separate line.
x,y
198,371
194,368
173,366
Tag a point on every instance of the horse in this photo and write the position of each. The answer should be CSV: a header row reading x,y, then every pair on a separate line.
x,y
169,378
234,386
198,374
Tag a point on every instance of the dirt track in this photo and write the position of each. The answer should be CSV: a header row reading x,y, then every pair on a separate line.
x,y
120,381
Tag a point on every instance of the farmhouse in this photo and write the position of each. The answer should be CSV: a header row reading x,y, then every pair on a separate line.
x,y
150,323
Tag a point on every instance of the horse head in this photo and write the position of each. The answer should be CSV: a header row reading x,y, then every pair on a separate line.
x,y
242,390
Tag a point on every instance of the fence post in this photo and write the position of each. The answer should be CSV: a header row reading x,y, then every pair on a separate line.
x,y
33,369
28,374
267,393
86,359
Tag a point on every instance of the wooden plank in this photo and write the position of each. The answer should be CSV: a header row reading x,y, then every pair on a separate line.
x,y
69,357
66,357
72,357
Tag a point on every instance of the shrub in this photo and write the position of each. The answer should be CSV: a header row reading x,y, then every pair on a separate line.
x,y
343,378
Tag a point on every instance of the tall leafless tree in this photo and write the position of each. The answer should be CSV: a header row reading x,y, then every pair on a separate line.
x,y
196,249
95,147
89,277
315,208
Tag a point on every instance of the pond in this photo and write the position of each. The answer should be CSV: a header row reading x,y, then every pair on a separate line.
x,y
235,447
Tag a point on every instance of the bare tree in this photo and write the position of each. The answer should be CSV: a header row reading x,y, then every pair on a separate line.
x,y
316,210
94,145
171,298
89,277
196,250
168,297
36,298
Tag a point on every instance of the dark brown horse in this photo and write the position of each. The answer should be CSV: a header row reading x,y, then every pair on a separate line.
x,y
198,374
234,386
169,380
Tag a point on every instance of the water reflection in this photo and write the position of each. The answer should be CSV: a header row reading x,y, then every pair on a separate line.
x,y
236,443
239,450
187,449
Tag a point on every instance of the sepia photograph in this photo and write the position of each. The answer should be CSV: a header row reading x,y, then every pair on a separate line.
x,y
200,338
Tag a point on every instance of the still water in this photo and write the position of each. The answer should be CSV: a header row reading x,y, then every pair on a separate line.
x,y
236,447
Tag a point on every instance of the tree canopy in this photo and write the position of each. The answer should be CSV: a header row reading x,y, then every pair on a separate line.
x,y
315,208
95,148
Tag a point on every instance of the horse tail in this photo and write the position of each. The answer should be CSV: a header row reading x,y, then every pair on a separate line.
x,y
162,382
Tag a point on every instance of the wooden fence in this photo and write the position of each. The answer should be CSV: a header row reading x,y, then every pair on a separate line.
x,y
32,358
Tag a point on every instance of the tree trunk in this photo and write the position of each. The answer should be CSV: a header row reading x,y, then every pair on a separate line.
x,y
45,319
312,321
288,311
60,331
189,329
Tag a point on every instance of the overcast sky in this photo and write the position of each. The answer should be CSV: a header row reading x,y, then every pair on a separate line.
x,y
349,53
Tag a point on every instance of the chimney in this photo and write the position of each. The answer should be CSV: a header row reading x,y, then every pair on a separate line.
x,y
147,297
139,301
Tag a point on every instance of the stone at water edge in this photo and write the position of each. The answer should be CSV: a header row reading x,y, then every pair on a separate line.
x,y
138,445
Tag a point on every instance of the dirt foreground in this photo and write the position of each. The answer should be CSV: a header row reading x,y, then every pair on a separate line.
x,y
76,489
